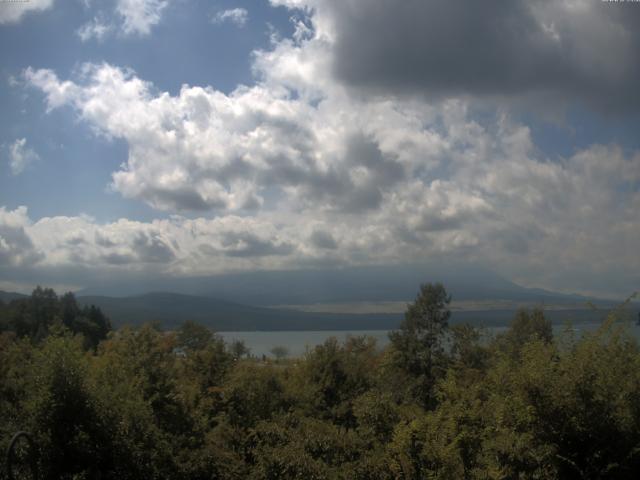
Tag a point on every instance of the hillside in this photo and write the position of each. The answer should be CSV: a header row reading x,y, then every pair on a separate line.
x,y
6,297
171,309
359,284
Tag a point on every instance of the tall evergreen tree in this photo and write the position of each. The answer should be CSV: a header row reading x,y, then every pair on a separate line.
x,y
418,344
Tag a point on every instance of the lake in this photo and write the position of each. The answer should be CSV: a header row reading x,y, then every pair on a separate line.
x,y
297,342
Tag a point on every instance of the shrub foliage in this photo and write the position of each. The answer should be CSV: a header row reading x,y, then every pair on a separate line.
x,y
438,402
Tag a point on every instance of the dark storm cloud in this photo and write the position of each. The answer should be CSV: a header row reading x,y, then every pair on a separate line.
x,y
150,248
585,50
16,247
518,241
336,186
438,223
246,244
208,249
117,259
103,241
182,199
75,241
324,240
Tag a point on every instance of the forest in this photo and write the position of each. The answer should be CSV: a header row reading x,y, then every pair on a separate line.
x,y
439,402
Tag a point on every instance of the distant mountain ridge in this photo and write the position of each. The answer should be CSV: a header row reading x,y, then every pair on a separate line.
x,y
249,301
171,309
394,283
6,297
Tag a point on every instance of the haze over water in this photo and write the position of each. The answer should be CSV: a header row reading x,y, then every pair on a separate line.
x,y
297,343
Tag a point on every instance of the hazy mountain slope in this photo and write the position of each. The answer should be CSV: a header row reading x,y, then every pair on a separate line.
x,y
398,283
6,297
172,309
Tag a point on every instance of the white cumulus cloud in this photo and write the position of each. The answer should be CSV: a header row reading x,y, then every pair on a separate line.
x,y
20,156
301,169
139,16
16,246
237,16
96,28
127,18
13,12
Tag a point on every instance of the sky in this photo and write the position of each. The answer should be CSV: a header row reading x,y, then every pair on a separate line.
x,y
184,138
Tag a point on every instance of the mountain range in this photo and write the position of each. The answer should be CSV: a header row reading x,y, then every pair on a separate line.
x,y
361,284
256,301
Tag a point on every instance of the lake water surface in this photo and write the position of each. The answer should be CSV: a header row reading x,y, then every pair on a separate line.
x,y
297,342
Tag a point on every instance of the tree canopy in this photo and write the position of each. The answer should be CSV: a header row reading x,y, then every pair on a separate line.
x,y
34,317
439,402
418,345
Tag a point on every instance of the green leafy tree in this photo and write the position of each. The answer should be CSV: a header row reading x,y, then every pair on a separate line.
x,y
252,393
238,349
280,352
470,357
32,317
332,376
152,404
525,327
93,324
377,415
418,346
64,413
193,336
35,316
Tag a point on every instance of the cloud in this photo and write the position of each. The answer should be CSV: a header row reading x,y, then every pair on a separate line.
x,y
237,16
244,244
531,219
205,150
127,18
177,245
302,169
16,246
396,179
96,28
140,15
539,231
580,50
322,239
13,12
20,156
58,93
